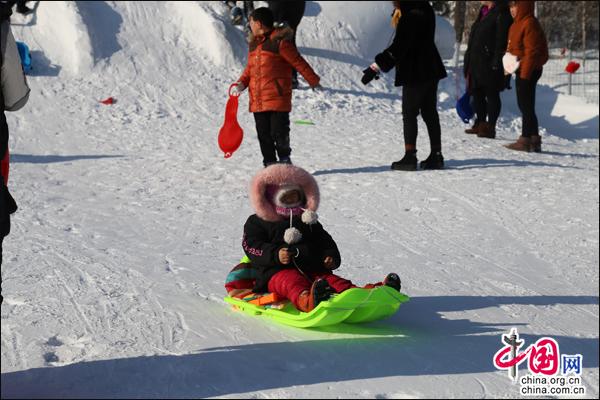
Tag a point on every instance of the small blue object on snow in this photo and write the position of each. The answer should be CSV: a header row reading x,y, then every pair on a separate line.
x,y
25,56
464,109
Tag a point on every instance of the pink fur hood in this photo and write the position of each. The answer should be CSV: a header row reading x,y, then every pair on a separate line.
x,y
278,174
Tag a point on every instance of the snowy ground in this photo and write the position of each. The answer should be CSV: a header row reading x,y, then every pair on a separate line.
x,y
130,218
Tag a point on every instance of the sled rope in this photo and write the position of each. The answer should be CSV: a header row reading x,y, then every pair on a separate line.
x,y
293,258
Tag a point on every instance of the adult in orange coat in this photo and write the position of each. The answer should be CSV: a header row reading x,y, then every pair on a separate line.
x,y
527,41
268,75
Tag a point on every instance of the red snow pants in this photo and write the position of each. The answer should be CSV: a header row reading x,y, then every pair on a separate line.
x,y
290,283
4,167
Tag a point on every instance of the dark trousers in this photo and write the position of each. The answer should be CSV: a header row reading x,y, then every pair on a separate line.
x,y
3,130
421,98
1,298
487,104
290,12
273,128
526,101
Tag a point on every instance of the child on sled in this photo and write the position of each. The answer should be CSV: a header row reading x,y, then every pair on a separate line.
x,y
292,255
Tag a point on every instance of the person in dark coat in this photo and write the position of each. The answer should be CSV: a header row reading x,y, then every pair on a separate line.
x,y
419,68
483,65
289,12
7,203
14,93
293,255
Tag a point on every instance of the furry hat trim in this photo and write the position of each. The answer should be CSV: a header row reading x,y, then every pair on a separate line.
x,y
279,175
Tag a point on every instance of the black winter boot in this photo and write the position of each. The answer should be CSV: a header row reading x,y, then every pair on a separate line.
x,y
319,291
408,162
434,161
393,280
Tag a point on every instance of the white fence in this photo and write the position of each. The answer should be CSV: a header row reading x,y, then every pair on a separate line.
x,y
583,83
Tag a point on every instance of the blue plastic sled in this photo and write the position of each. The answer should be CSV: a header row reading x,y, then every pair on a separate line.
x,y
25,56
464,108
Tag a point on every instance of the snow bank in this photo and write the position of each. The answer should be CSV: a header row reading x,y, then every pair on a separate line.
x,y
367,23
203,26
60,34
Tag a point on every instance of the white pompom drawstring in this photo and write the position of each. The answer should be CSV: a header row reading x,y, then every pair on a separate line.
x,y
309,217
291,234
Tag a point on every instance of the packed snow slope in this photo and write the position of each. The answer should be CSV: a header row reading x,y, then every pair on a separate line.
x,y
130,218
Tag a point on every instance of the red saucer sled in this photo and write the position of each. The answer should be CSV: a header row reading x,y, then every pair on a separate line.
x,y
231,134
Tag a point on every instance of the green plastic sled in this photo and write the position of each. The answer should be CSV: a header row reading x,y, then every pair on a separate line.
x,y
353,306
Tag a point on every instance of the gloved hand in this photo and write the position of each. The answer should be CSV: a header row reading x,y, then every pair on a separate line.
x,y
317,87
329,263
237,89
370,73
497,65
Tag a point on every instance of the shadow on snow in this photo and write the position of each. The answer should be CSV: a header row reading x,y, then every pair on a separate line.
x,y
417,341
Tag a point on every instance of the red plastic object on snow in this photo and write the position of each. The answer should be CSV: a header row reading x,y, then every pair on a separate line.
x,y
572,67
4,166
108,101
231,133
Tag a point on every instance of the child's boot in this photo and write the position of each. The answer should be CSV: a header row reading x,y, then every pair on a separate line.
x,y
393,280
319,291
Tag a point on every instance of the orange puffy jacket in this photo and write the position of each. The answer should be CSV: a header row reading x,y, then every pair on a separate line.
x,y
527,40
268,74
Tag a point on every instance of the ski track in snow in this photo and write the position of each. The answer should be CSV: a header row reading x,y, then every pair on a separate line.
x,y
130,218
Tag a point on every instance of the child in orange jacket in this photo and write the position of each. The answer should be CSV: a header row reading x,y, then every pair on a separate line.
x,y
268,75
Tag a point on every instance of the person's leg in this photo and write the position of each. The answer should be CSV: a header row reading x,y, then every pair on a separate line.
x,y
435,160
3,132
536,139
535,130
411,99
280,131
494,106
1,240
526,103
430,115
4,166
289,283
487,129
263,129
338,283
479,104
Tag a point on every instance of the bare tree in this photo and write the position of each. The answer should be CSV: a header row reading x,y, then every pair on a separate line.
x,y
460,8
